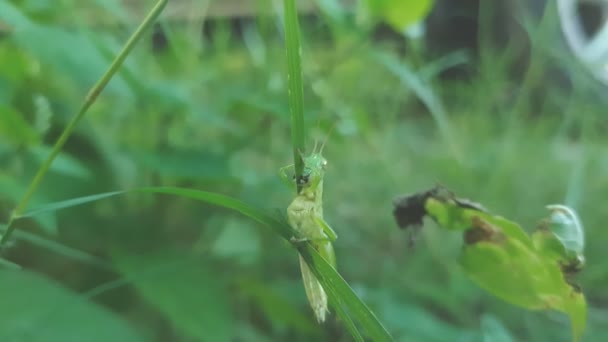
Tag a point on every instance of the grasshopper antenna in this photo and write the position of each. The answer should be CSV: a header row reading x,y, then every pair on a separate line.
x,y
333,125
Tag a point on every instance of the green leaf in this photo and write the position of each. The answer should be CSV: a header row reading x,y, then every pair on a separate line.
x,y
506,262
184,289
399,14
37,309
296,86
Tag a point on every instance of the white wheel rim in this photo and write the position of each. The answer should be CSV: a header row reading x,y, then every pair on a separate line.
x,y
592,51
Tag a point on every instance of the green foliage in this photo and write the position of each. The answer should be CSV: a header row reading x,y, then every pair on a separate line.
x,y
503,260
211,112
342,297
55,311
184,289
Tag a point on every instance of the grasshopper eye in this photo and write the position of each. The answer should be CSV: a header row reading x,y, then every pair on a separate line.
x,y
324,163
303,180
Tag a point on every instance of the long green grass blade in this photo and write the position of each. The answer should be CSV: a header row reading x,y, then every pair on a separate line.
x,y
337,287
343,314
296,88
89,100
425,93
68,203
349,307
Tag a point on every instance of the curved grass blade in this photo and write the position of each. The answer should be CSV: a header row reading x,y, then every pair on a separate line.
x,y
338,289
68,203
88,102
423,90
349,307
348,322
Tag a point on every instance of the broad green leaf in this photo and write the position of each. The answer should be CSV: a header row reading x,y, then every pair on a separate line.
x,y
37,309
515,274
184,289
506,262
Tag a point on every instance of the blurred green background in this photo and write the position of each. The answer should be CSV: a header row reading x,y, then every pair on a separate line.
x,y
488,101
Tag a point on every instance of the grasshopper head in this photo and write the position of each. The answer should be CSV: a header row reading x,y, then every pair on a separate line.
x,y
314,169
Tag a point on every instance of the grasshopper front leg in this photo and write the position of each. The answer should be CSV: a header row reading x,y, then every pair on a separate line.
x,y
284,177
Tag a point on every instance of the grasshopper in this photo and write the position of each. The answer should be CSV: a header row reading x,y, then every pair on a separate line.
x,y
305,215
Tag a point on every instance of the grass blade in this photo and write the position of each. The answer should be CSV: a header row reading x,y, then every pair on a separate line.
x,y
349,307
89,100
68,203
296,88
337,287
424,92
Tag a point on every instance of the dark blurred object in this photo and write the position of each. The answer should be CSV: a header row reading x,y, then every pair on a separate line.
x,y
472,24
409,210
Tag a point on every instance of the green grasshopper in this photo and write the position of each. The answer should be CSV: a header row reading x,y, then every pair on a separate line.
x,y
305,215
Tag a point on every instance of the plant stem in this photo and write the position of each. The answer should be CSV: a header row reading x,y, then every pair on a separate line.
x,y
296,88
89,100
